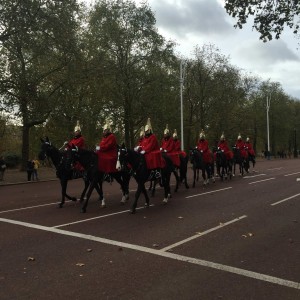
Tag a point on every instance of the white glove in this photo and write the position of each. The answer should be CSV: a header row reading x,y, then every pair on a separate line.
x,y
201,151
160,149
165,150
143,152
66,143
136,149
97,148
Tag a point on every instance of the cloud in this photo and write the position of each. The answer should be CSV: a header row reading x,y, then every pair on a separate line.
x,y
191,17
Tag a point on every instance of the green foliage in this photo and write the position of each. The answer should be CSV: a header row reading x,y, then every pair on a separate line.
x,y
270,17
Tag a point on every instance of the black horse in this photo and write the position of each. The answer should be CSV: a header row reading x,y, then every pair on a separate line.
x,y
89,160
142,174
198,164
251,158
223,165
63,161
181,178
239,160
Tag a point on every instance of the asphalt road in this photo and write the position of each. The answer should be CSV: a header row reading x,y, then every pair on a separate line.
x,y
237,239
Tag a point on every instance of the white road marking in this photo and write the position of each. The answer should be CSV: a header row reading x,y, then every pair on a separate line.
x,y
29,207
286,199
191,260
274,169
202,233
292,174
261,180
209,192
249,176
99,217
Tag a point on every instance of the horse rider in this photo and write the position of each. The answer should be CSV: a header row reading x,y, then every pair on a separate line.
x,y
177,144
168,147
239,144
203,147
150,149
249,147
107,152
79,142
222,144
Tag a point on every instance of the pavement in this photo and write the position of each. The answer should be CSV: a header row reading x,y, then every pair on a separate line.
x,y
15,176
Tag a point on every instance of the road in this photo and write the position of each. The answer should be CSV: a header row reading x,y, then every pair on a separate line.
x,y
237,239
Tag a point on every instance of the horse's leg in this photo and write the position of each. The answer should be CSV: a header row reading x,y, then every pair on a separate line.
x,y
124,186
86,185
88,195
63,184
167,189
144,191
204,175
177,180
195,175
141,186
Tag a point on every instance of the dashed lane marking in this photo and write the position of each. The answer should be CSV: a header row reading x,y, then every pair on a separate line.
x,y
252,176
210,192
259,181
191,260
99,217
292,174
286,199
203,233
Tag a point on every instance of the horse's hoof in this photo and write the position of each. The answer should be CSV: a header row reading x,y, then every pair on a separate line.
x,y
132,211
74,199
146,205
60,205
165,201
103,205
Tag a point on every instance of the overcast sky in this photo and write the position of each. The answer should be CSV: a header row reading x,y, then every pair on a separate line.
x,y
198,22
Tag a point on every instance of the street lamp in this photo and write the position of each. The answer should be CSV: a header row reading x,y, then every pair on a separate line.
x,y
268,130
182,69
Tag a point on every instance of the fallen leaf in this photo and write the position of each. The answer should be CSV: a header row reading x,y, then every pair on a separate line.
x,y
80,264
180,217
250,234
244,235
30,258
89,250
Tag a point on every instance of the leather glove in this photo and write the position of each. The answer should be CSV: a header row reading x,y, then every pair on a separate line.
x,y
143,152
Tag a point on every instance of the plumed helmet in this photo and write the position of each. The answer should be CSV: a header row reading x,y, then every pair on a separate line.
x,y
202,134
222,138
247,139
148,127
142,132
239,137
175,133
107,126
77,127
167,131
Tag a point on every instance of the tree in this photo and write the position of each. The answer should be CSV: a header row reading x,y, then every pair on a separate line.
x,y
270,17
137,61
39,46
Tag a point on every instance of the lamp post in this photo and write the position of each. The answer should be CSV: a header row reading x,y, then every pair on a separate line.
x,y
295,144
181,101
268,130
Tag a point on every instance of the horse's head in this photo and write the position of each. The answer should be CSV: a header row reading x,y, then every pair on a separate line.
x,y
45,148
122,160
195,156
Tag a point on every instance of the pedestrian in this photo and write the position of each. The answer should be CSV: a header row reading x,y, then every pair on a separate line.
x,y
36,165
2,168
29,169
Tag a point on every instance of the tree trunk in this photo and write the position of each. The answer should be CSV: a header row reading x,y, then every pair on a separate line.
x,y
25,146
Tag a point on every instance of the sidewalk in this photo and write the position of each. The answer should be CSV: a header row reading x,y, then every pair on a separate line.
x,y
15,176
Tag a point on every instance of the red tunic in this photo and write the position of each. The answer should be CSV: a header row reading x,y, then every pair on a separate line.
x,y
79,142
250,148
107,155
177,147
168,146
202,145
241,146
224,146
152,154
